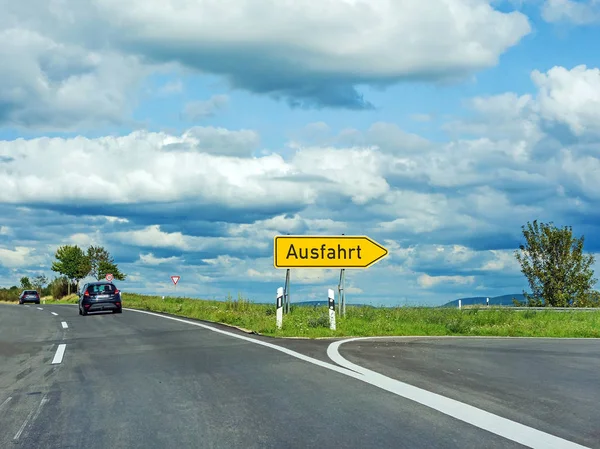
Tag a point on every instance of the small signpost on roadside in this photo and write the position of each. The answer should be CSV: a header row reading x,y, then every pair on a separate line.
x,y
109,277
331,305
279,308
175,280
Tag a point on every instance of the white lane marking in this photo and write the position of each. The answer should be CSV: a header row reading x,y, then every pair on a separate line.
x,y
31,417
64,324
506,428
511,430
39,308
60,352
54,313
26,305
6,401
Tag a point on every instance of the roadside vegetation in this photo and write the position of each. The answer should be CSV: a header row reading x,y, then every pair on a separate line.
x,y
313,322
552,259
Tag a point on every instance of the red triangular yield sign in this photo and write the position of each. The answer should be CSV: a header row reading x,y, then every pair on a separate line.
x,y
175,279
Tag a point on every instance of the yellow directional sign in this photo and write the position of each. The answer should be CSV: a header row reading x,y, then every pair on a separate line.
x,y
292,251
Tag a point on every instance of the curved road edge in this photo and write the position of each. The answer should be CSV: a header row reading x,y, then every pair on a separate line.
x,y
498,425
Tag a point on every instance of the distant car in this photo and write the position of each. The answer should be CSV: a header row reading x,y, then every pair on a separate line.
x,y
98,297
29,296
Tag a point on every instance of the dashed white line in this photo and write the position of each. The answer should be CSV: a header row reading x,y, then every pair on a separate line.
x,y
60,352
511,430
40,308
64,324
6,401
31,417
54,313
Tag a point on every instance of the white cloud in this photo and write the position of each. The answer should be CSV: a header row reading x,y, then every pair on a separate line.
x,y
306,52
581,12
427,281
92,176
355,172
49,85
116,220
197,110
223,142
571,97
20,256
154,237
467,33
83,239
150,259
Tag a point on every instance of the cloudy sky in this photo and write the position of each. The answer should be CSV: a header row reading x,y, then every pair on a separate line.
x,y
183,135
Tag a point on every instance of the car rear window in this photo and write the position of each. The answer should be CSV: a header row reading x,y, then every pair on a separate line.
x,y
30,292
101,289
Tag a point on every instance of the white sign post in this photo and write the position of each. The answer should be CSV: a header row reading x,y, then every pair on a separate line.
x,y
487,300
460,303
279,312
331,309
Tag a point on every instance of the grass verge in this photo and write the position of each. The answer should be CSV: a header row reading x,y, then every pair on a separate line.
x,y
313,322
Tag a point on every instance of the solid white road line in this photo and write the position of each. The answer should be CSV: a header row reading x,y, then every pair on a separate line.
x,y
6,401
39,308
506,428
64,324
477,417
60,352
31,417
54,313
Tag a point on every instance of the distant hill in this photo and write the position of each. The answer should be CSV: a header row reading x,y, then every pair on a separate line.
x,y
504,300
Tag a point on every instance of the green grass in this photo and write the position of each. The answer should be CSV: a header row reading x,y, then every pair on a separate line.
x,y
313,322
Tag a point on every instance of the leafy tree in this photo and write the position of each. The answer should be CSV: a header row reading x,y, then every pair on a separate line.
x,y
558,272
25,283
72,263
106,267
39,282
102,263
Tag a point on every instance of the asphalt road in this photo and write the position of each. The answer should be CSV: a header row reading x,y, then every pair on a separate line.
x,y
136,380
549,384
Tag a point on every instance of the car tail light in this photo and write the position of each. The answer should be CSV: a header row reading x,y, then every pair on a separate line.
x,y
86,305
117,291
118,304
86,293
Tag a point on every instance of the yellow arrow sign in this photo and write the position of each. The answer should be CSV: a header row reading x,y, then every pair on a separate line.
x,y
292,251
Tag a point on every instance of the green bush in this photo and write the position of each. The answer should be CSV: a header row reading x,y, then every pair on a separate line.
x,y
322,321
9,294
59,287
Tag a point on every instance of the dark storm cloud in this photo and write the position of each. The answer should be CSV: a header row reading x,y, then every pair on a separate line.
x,y
168,213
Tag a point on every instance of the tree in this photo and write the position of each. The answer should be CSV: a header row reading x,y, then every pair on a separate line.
x,y
39,282
25,283
102,263
71,262
558,272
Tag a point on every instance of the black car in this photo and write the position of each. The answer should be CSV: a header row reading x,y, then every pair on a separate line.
x,y
98,297
29,296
